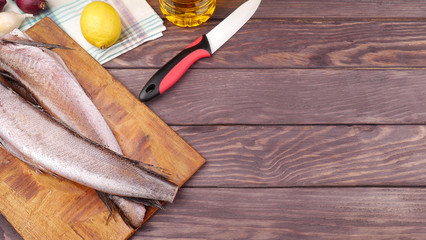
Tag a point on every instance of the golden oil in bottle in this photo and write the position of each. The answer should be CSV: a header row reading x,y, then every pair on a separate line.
x,y
187,13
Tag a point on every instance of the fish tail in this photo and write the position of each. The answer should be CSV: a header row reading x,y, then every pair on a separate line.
x,y
107,199
146,202
154,170
108,203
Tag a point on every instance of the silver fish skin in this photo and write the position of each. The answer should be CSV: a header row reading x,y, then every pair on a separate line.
x,y
46,144
133,212
43,73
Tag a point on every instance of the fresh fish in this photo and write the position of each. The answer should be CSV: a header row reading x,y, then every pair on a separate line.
x,y
71,118
132,213
46,144
99,133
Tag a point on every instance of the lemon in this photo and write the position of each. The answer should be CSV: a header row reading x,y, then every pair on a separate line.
x,y
100,24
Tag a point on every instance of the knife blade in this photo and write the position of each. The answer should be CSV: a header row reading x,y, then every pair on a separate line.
x,y
203,47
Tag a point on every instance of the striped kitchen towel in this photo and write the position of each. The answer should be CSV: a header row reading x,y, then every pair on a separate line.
x,y
140,23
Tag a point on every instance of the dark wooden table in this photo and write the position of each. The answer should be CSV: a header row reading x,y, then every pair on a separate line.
x,y
311,119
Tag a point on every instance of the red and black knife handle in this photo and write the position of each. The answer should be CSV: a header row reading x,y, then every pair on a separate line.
x,y
170,73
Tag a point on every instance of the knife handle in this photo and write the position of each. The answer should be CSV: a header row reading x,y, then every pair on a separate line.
x,y
170,73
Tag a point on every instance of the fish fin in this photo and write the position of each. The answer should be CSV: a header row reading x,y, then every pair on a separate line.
x,y
11,82
154,170
55,175
124,217
108,203
37,170
146,202
6,75
33,43
44,172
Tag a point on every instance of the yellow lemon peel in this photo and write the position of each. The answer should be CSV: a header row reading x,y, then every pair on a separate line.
x,y
100,24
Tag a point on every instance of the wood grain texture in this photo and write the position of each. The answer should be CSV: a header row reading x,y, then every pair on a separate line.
x,y
336,213
287,96
347,9
329,108
280,43
308,156
253,157
44,207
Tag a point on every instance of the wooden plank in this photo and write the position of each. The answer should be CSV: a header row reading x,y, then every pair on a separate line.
x,y
319,213
279,43
309,156
377,9
288,96
45,207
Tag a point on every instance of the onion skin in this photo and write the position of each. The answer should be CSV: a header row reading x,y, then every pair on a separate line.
x,y
31,6
2,3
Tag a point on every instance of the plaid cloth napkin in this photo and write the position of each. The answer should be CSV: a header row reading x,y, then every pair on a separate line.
x,y
140,23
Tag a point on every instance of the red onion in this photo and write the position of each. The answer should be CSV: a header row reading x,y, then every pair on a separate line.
x,y
31,6
2,3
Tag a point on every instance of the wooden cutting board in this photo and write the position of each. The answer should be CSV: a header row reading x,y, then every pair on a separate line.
x,y
44,207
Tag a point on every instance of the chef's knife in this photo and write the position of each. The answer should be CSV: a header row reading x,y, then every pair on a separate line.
x,y
203,47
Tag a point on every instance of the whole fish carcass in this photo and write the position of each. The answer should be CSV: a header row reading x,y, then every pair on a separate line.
x,y
48,81
44,143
